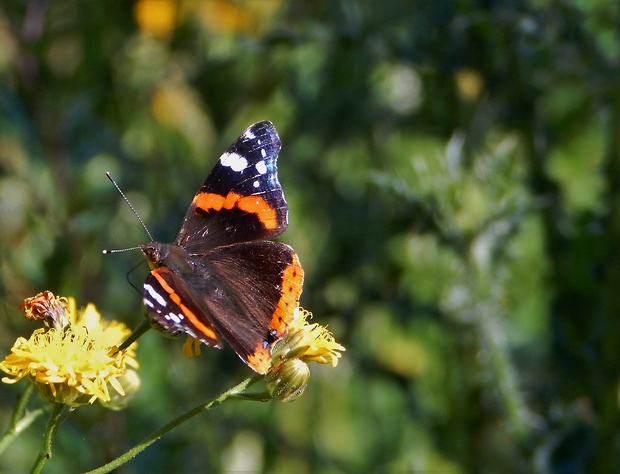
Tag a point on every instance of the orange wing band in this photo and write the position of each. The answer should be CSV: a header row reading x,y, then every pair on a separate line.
x,y
253,204
292,281
188,313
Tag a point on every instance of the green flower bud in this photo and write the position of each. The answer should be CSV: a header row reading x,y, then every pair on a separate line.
x,y
288,380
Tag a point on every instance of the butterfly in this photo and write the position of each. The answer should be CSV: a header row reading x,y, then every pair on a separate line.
x,y
221,278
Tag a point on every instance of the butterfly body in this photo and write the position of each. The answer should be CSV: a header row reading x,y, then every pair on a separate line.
x,y
221,278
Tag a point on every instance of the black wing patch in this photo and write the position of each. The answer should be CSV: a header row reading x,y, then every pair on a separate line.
x,y
241,199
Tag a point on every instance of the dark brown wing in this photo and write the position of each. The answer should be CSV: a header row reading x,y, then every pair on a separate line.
x,y
258,287
245,292
176,307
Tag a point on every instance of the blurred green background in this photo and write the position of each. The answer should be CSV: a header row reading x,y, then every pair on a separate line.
x,y
453,175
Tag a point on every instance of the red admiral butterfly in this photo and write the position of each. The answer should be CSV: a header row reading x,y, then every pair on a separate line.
x,y
220,277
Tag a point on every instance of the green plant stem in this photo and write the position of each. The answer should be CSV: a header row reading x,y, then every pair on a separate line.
x,y
19,421
20,406
59,413
234,393
141,329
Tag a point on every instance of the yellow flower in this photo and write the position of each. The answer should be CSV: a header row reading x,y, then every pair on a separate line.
x,y
130,381
304,343
74,364
309,342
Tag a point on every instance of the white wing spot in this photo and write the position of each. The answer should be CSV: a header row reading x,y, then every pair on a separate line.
x,y
256,184
234,161
261,167
249,135
161,301
175,318
263,153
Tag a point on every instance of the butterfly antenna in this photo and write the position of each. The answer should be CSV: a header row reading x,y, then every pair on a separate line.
x,y
106,251
107,173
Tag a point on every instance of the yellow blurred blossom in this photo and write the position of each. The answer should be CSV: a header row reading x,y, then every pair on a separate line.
x,y
74,363
178,105
224,16
159,18
252,17
469,83
156,17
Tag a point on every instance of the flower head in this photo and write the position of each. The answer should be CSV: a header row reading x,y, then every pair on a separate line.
x,y
74,363
303,344
308,342
51,309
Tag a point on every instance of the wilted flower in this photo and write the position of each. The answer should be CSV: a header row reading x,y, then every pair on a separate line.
x,y
51,309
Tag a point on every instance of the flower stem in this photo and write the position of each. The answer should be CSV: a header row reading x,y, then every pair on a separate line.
x,y
59,413
20,406
234,392
141,329
18,422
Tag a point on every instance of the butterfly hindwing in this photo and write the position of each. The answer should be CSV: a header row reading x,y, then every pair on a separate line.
x,y
241,199
245,292
254,302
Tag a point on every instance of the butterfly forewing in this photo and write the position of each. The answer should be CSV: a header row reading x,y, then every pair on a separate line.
x,y
241,199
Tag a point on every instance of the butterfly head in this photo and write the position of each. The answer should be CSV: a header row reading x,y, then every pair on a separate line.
x,y
170,256
154,253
